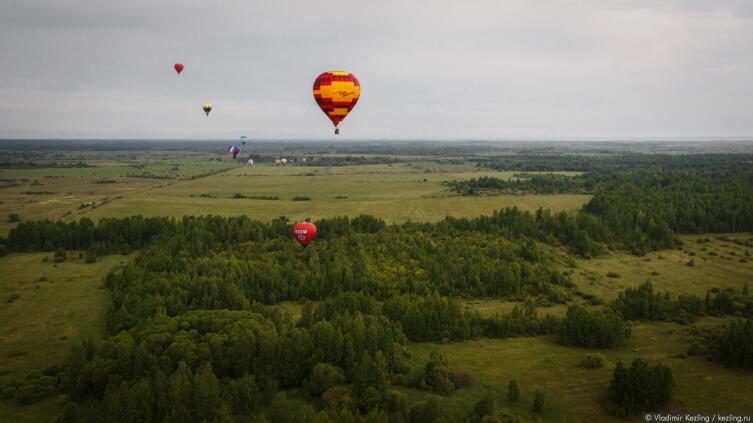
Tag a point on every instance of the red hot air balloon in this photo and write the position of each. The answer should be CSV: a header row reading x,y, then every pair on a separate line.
x,y
304,232
179,68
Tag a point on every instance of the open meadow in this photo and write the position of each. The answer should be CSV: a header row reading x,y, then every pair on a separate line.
x,y
394,192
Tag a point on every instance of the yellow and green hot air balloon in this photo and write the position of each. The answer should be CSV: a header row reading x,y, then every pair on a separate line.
x,y
207,108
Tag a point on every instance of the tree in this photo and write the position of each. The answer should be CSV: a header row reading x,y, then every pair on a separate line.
x,y
206,393
436,374
641,387
369,373
596,329
279,410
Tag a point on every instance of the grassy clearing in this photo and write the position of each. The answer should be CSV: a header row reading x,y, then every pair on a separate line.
x,y
57,306
716,263
574,392
43,411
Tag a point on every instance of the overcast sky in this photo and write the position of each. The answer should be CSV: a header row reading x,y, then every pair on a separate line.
x,y
429,69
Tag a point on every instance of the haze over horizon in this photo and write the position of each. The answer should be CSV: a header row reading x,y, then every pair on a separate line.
x,y
481,70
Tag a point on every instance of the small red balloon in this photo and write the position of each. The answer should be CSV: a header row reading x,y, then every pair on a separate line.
x,y
179,68
304,232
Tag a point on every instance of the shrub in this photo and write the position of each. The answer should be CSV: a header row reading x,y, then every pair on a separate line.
x,y
60,255
32,391
91,256
13,296
538,402
613,275
513,393
425,412
301,198
369,400
338,398
323,377
592,361
461,379
14,217
8,392
485,406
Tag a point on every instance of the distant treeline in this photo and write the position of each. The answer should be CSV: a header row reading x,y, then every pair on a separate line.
x,y
609,162
347,160
30,164
639,202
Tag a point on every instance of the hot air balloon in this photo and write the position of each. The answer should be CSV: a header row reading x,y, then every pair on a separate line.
x,y
234,149
178,68
278,162
284,161
243,139
336,93
304,232
250,163
207,108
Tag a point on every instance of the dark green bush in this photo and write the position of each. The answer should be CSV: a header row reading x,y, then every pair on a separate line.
x,y
592,361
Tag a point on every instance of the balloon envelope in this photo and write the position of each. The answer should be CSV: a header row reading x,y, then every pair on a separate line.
x,y
207,107
304,232
336,93
234,149
178,68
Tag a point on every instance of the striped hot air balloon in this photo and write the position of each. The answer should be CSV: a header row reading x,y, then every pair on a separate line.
x,y
234,150
337,93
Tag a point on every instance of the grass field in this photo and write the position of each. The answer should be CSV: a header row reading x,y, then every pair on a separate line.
x,y
396,193
573,392
57,306
71,193
716,263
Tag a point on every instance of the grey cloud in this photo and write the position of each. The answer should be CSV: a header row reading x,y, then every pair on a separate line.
x,y
429,69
